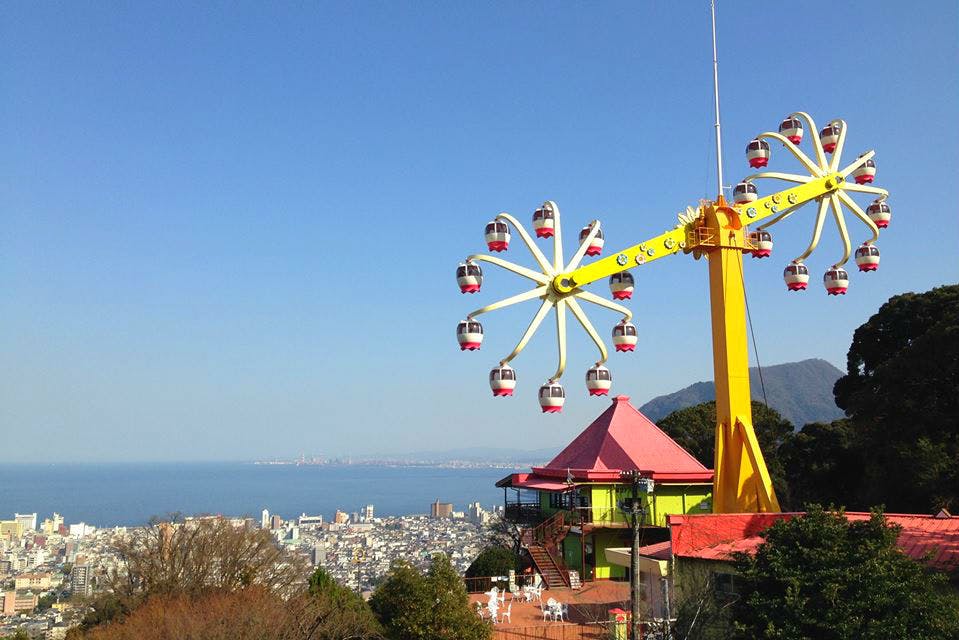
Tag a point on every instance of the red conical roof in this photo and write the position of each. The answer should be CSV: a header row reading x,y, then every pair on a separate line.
x,y
623,439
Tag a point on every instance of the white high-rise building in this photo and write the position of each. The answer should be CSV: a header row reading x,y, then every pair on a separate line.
x,y
265,519
27,520
81,580
368,513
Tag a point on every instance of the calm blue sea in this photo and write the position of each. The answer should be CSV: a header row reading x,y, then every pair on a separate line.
x,y
129,494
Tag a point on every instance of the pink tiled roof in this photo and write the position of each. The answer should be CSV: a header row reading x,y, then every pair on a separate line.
x,y
623,439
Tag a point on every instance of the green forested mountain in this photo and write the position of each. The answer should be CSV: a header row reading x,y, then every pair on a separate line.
x,y
802,392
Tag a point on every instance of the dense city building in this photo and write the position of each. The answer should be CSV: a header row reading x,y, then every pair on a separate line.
x,y
441,509
47,575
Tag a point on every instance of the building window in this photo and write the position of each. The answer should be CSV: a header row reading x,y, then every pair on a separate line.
x,y
724,583
556,500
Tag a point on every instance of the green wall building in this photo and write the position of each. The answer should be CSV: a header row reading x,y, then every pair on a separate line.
x,y
570,509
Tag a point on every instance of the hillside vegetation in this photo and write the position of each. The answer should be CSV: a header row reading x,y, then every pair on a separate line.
x,y
800,391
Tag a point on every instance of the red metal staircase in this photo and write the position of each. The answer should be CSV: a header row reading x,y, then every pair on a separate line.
x,y
543,544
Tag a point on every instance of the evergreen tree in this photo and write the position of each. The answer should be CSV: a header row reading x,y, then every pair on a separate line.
x,y
337,611
900,391
452,617
412,606
493,561
401,604
822,577
824,464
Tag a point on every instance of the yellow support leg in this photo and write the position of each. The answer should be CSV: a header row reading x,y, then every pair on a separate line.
x,y
742,482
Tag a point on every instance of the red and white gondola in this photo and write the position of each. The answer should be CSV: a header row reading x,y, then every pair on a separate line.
x,y
469,277
867,257
598,380
880,213
596,244
544,221
621,285
624,336
469,333
497,235
791,129
757,153
745,192
796,275
552,397
829,136
761,244
865,173
836,281
502,380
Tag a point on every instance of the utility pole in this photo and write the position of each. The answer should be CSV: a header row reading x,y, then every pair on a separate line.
x,y
359,557
635,510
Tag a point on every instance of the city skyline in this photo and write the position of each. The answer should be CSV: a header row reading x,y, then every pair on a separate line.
x,y
231,233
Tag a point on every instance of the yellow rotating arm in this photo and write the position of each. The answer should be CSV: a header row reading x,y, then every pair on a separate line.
x,y
680,238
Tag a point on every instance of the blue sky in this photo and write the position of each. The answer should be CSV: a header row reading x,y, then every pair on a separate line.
x,y
229,230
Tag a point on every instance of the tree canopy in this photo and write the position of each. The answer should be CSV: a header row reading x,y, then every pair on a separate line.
x,y
823,464
494,560
249,613
434,606
208,579
900,391
175,556
822,577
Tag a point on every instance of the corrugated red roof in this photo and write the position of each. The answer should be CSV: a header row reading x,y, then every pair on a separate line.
x,y
623,439
658,551
930,539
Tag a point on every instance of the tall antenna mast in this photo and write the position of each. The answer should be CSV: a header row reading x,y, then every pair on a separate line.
x,y
719,134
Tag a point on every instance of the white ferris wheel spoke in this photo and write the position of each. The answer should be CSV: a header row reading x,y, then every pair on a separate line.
x,y
583,246
588,327
538,292
560,338
817,231
515,268
557,238
789,177
855,165
862,188
814,134
796,151
595,299
844,234
837,153
521,230
530,330
852,206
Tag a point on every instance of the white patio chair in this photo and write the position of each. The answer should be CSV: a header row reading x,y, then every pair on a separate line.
x,y
564,612
492,608
507,614
479,609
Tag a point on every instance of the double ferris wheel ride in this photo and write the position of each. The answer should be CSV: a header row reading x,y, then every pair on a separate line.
x,y
721,233
558,284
